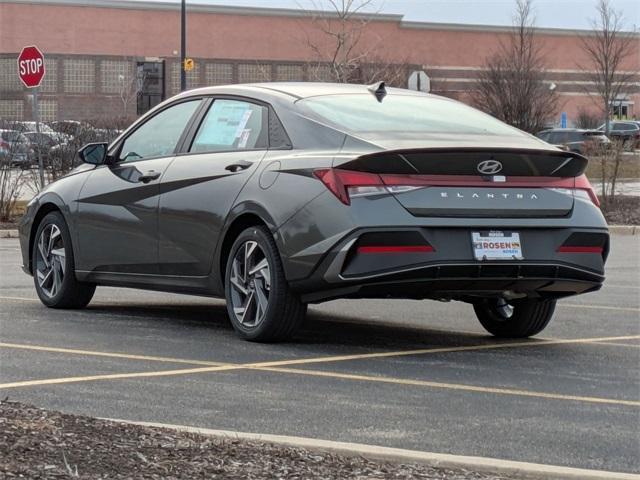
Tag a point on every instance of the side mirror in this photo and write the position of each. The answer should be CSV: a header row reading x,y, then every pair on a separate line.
x,y
94,153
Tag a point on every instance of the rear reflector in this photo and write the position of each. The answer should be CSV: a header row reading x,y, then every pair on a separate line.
x,y
579,249
396,249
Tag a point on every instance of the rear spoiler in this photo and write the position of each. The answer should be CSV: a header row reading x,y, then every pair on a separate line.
x,y
469,161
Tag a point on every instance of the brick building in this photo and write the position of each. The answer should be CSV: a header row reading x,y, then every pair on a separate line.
x,y
107,58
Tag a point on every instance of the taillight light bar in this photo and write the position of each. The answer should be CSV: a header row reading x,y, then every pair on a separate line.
x,y
340,182
580,249
396,249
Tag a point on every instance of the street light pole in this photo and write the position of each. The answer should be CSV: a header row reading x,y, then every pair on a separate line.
x,y
183,46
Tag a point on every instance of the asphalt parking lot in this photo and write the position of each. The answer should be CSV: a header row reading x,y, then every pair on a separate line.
x,y
415,375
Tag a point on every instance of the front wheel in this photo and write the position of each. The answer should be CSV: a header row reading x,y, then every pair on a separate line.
x,y
260,304
520,319
53,266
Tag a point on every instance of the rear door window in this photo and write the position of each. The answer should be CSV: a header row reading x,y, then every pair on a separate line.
x,y
232,125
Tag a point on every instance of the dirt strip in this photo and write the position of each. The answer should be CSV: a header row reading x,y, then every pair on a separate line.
x,y
39,444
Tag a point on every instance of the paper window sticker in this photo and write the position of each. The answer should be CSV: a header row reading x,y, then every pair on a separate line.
x,y
244,138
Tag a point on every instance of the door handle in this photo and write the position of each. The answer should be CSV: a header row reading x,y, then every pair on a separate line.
x,y
150,175
240,165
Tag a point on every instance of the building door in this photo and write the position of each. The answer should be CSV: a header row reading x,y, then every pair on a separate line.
x,y
151,85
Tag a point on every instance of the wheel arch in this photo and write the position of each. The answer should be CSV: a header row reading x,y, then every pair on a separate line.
x,y
43,210
242,217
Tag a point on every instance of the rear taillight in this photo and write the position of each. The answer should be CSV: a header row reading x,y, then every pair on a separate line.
x,y
347,184
584,242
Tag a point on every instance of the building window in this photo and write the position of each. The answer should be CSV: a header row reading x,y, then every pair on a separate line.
x,y
79,76
11,109
193,77
320,73
116,76
50,81
289,73
218,73
9,80
48,110
254,72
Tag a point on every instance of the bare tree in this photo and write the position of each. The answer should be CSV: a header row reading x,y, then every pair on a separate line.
x,y
340,53
130,83
587,119
607,48
511,87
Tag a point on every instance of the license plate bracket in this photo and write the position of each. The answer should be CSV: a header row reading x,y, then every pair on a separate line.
x,y
496,245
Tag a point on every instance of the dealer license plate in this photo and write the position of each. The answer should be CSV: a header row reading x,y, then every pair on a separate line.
x,y
496,245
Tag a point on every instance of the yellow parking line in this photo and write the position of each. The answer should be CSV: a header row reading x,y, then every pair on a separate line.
x,y
115,376
634,345
454,386
108,354
600,307
20,299
490,346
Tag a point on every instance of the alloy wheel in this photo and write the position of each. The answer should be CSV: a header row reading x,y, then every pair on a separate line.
x,y
50,260
250,284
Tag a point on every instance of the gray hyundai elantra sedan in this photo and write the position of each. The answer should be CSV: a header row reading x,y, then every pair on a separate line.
x,y
278,195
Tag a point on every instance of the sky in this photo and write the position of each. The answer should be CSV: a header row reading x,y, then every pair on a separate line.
x,y
572,14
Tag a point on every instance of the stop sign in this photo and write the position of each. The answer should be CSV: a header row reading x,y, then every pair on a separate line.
x,y
31,66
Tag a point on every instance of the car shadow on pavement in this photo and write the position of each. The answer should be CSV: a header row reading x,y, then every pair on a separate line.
x,y
318,329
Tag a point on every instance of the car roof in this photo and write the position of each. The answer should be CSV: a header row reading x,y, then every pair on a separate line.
x,y
297,90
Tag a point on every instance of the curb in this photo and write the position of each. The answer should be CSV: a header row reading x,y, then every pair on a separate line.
x,y
624,229
397,455
9,234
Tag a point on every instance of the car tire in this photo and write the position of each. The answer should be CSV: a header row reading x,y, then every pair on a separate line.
x,y
53,266
521,319
260,303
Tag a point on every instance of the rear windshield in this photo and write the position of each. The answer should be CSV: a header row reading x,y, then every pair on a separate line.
x,y
363,114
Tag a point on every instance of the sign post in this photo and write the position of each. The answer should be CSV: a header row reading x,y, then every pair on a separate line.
x,y
31,71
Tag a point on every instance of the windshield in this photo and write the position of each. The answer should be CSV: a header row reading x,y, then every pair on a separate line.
x,y
363,114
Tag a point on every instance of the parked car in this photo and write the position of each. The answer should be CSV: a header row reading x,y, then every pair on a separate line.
x,y
26,126
15,148
625,131
574,139
278,195
41,145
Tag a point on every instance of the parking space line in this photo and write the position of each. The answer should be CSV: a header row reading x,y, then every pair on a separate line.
x,y
489,346
454,386
600,307
634,345
115,376
109,354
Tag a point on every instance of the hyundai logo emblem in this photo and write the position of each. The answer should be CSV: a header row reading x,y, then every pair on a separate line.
x,y
489,167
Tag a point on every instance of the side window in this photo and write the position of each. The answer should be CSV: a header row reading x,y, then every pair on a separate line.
x,y
159,135
232,125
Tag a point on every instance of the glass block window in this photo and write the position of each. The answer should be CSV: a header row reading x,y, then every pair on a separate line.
x,y
9,81
48,110
218,73
11,109
289,73
193,77
254,72
50,81
116,75
320,73
79,76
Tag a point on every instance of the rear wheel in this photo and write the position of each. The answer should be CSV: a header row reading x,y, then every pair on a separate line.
x,y
53,266
260,304
522,318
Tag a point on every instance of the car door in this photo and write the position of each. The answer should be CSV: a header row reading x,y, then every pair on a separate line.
x,y
117,216
202,183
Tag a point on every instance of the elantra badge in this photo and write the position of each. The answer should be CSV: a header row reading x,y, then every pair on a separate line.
x,y
489,167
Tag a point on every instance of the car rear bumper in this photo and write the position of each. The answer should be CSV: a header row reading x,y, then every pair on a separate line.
x,y
450,271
